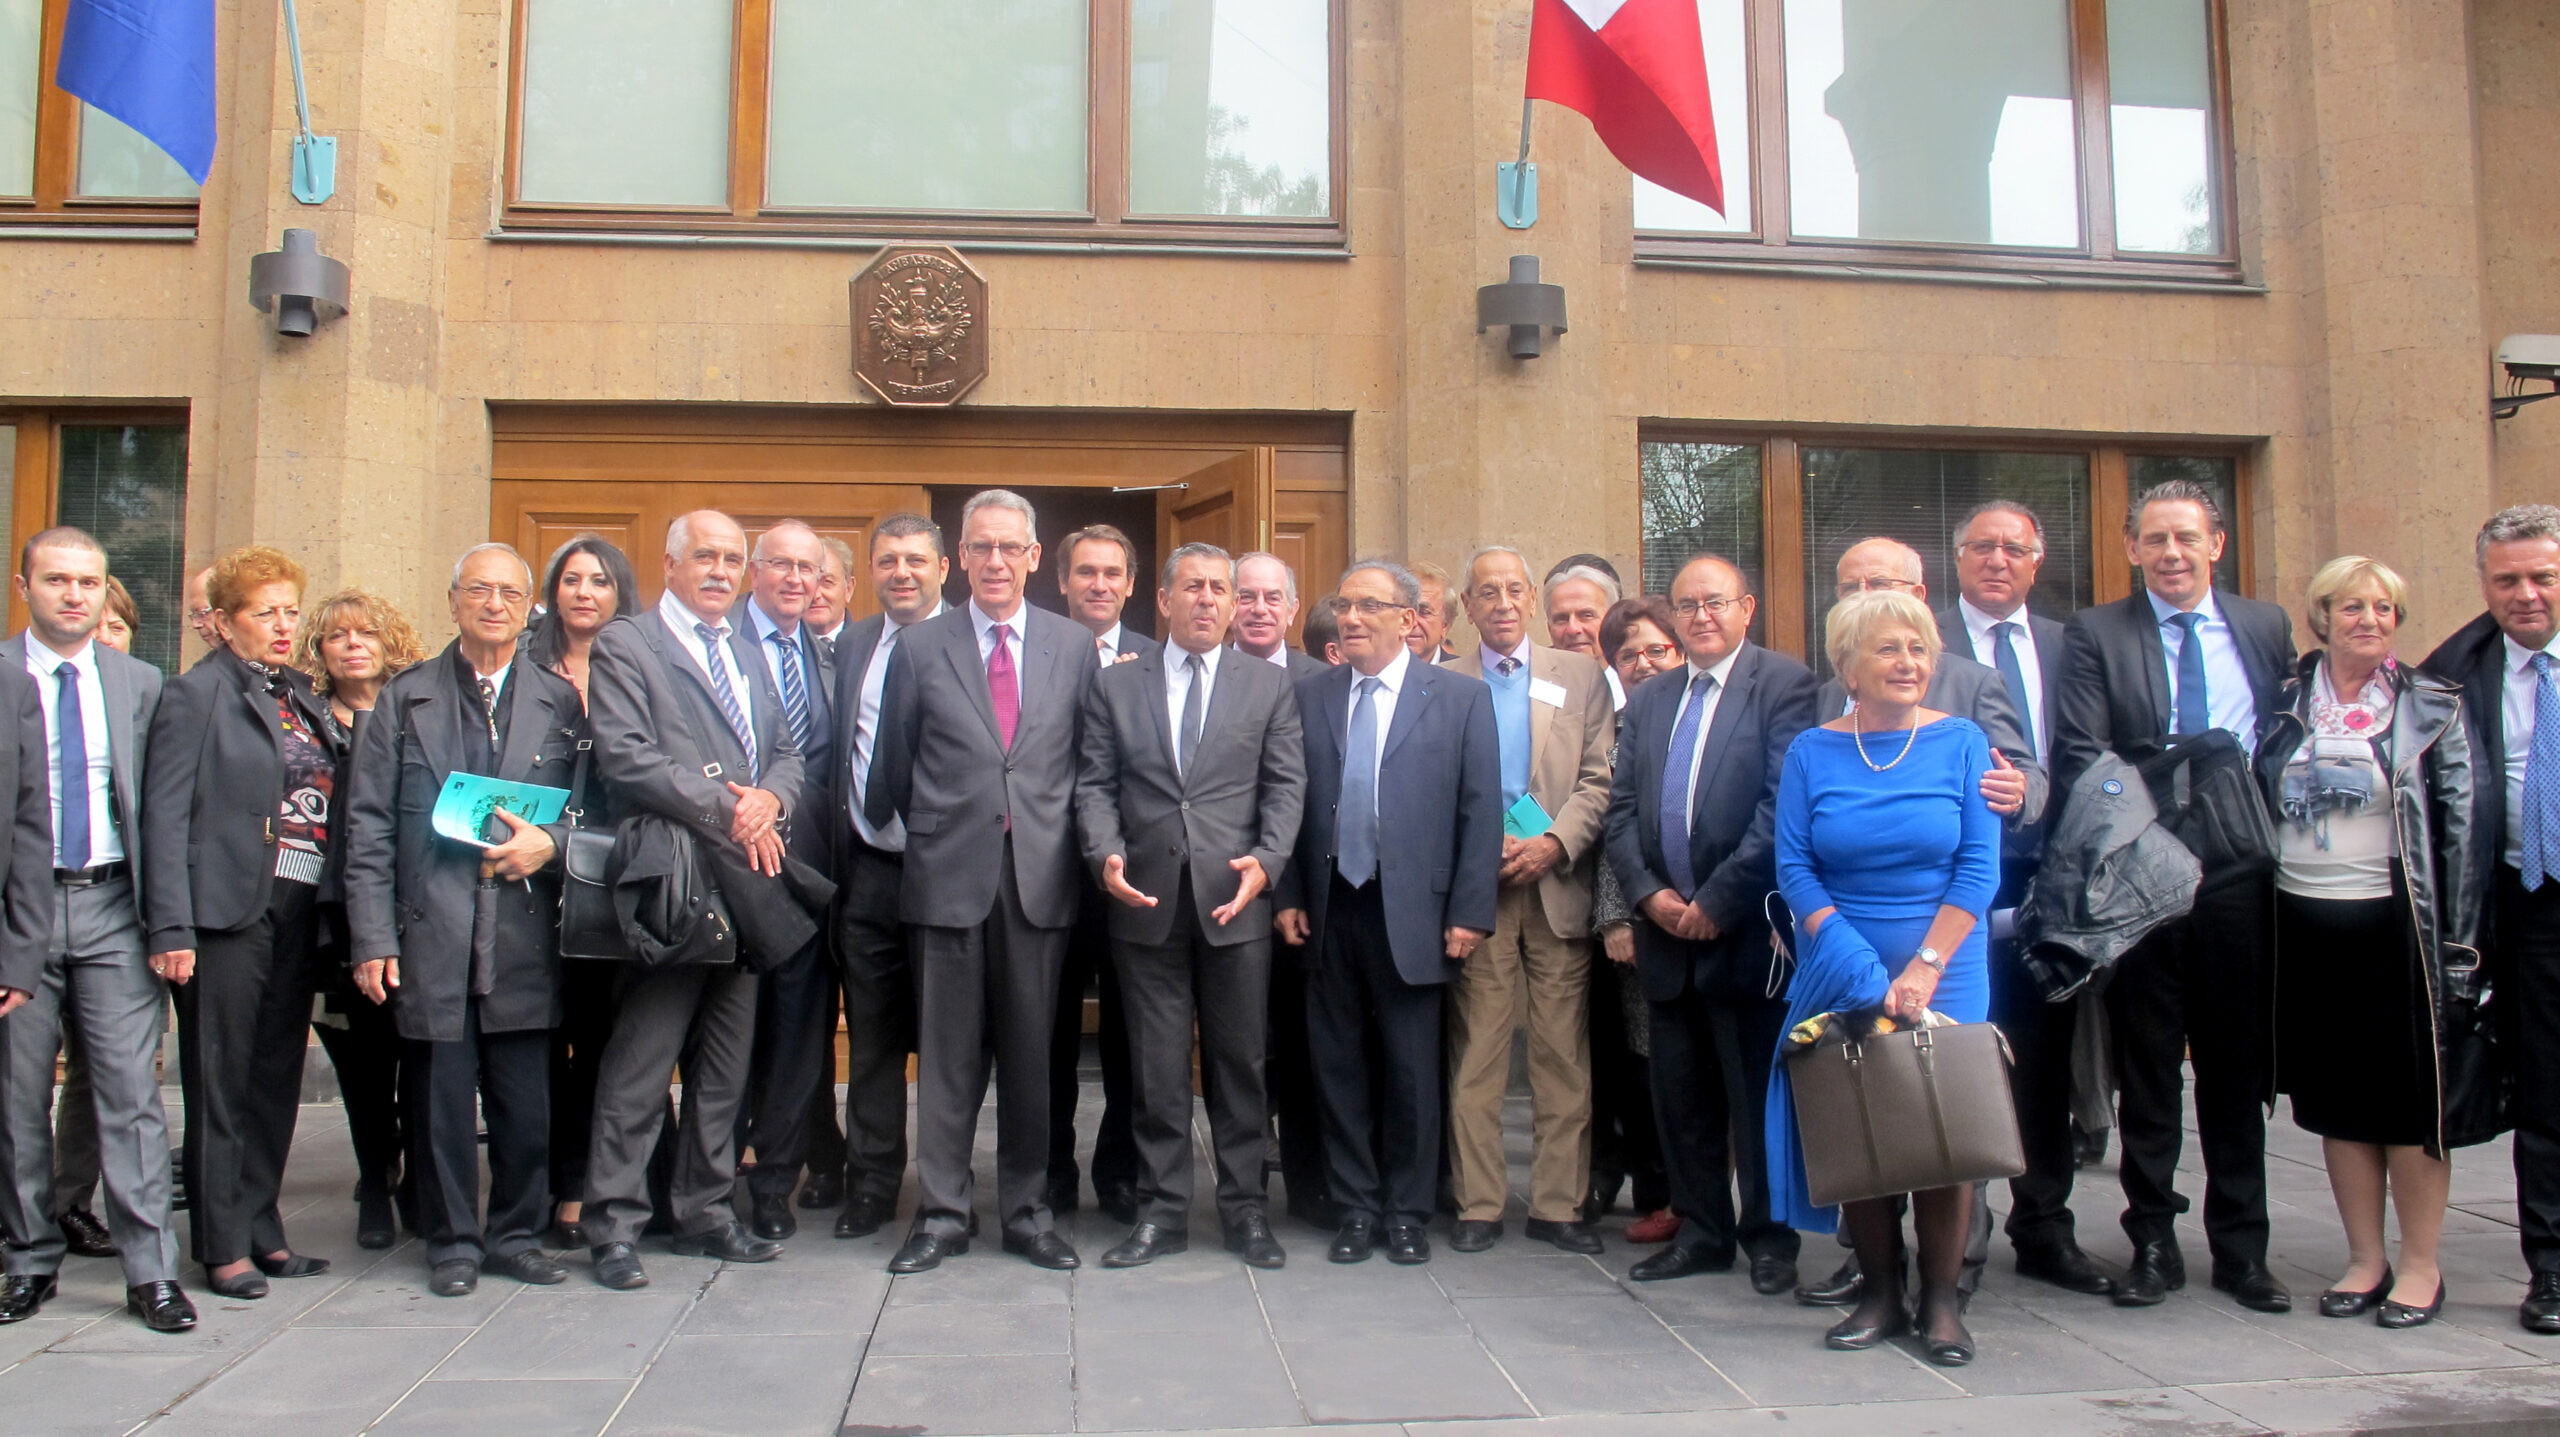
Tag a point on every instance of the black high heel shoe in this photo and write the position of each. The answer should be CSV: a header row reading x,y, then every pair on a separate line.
x,y
2400,1315
2339,1302
292,1264
240,1286
374,1220
1851,1334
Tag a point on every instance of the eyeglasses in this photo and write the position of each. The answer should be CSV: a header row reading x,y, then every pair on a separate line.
x,y
801,567
1713,606
1658,655
1873,585
1371,608
978,550
1985,548
199,613
483,593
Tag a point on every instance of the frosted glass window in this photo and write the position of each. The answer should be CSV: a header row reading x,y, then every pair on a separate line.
x,y
1945,120
2160,87
1230,107
127,485
626,102
21,51
116,162
980,107
1720,25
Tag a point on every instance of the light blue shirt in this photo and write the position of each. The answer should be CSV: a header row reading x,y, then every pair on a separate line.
x,y
2230,702
1510,717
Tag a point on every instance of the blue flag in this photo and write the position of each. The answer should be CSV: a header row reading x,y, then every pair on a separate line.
x,y
149,63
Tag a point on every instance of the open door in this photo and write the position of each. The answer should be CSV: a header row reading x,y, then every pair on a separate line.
x,y
1227,503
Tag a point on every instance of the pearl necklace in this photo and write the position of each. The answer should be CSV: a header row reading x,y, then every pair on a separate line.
x,y
1858,735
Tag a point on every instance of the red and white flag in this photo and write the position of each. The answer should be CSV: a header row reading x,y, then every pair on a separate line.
x,y
1638,69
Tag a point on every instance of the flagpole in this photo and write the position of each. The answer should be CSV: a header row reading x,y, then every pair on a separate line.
x,y
1515,195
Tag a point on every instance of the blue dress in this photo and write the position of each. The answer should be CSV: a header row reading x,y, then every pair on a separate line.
x,y
1885,850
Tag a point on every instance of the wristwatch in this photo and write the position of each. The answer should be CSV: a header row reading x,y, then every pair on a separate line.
x,y
1928,958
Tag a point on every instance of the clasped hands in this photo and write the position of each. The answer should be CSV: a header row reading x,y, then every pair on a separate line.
x,y
1907,996
752,828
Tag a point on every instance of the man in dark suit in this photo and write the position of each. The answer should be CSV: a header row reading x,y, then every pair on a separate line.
x,y
795,1015
463,941
1692,835
907,567
1187,798
1097,572
74,715
2508,663
978,757
688,727
1394,880
2180,658
1266,608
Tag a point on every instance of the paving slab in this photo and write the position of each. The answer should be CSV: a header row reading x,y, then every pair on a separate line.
x,y
517,1408
1129,1380
571,1337
975,1329
837,1300
1558,1384
316,1382
778,1385
1568,1326
2492,1402
1780,1364
1023,1393
1374,1298
1406,1379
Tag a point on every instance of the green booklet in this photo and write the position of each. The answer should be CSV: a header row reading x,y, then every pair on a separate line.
x,y
1525,819
465,811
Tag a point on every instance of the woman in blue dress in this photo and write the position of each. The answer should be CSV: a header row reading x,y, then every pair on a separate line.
x,y
1889,856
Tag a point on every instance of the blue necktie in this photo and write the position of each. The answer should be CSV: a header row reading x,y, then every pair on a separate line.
x,y
2194,714
1357,859
1675,787
795,692
2005,654
71,770
718,664
2541,816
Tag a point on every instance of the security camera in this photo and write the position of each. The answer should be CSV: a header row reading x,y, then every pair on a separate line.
x,y
2526,357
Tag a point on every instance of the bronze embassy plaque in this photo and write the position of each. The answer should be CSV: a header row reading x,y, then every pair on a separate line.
x,y
920,325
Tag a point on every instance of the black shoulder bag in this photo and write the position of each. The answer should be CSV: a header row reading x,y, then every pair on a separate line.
x,y
588,925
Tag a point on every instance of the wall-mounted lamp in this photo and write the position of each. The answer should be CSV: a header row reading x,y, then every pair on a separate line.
x,y
298,283
1524,306
2526,357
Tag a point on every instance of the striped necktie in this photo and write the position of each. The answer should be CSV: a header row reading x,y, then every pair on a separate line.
x,y
712,641
2540,821
795,690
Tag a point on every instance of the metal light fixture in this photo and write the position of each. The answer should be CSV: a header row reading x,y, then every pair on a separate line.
x,y
1524,306
299,283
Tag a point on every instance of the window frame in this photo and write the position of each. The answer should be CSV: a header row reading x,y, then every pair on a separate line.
x,y
56,201
32,506
1770,241
1106,218
1782,584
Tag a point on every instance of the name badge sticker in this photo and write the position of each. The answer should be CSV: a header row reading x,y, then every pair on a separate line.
x,y
1548,692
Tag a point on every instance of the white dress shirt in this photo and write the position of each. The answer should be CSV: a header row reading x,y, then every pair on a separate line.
x,y
1177,692
1986,648
2515,712
681,620
1279,656
105,844
1383,702
2229,701
1722,673
890,837
1106,647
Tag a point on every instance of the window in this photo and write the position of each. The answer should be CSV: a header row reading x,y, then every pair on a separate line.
x,y
62,161
2045,134
123,480
1786,510
1127,120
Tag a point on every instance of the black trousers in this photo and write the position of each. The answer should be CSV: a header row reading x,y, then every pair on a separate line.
x,y
577,1052
245,1020
1289,1078
986,997
795,1042
1375,1042
1088,964
2040,1036
879,1020
2197,988
824,1152
1711,1057
507,1078
2528,977
368,1054
1162,988
1625,1145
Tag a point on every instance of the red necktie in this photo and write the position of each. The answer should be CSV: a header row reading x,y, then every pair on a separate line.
x,y
1003,688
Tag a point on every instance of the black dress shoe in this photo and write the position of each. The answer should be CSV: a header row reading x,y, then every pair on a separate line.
x,y
454,1277
1251,1237
292,1264
1357,1239
1407,1243
2157,1271
1119,1200
923,1252
1044,1249
1474,1235
1771,1275
1854,1334
2253,1287
1680,1260
1145,1243
2339,1302
617,1265
240,1287
772,1217
729,1244
824,1190
865,1214
2398,1315
1840,1289
85,1235
2540,1310
22,1293
161,1306
1567,1236
374,1222
532,1266
2065,1266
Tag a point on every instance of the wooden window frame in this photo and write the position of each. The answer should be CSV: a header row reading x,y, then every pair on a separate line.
x,y
56,202
1782,583
1770,241
1106,218
36,470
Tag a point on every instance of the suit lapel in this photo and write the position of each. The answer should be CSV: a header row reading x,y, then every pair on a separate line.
x,y
1541,716
2155,661
1729,716
653,627
525,721
117,689
960,648
1151,700
1419,680
1043,669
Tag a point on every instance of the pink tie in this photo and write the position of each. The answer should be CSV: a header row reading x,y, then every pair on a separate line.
x,y
1003,689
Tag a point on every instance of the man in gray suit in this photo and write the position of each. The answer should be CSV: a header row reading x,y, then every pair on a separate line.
x,y
978,758
689,727
1188,798
71,945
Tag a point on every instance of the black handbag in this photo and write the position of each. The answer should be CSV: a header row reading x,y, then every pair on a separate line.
x,y
2210,801
589,928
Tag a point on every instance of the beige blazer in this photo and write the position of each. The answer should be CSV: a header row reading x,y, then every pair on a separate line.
x,y
1569,745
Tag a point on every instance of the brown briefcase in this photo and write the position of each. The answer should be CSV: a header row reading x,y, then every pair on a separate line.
x,y
1905,1111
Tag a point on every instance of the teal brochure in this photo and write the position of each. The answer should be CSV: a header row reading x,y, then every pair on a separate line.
x,y
464,811
1525,819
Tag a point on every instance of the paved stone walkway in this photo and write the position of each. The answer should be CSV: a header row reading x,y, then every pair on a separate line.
x,y
1518,1342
